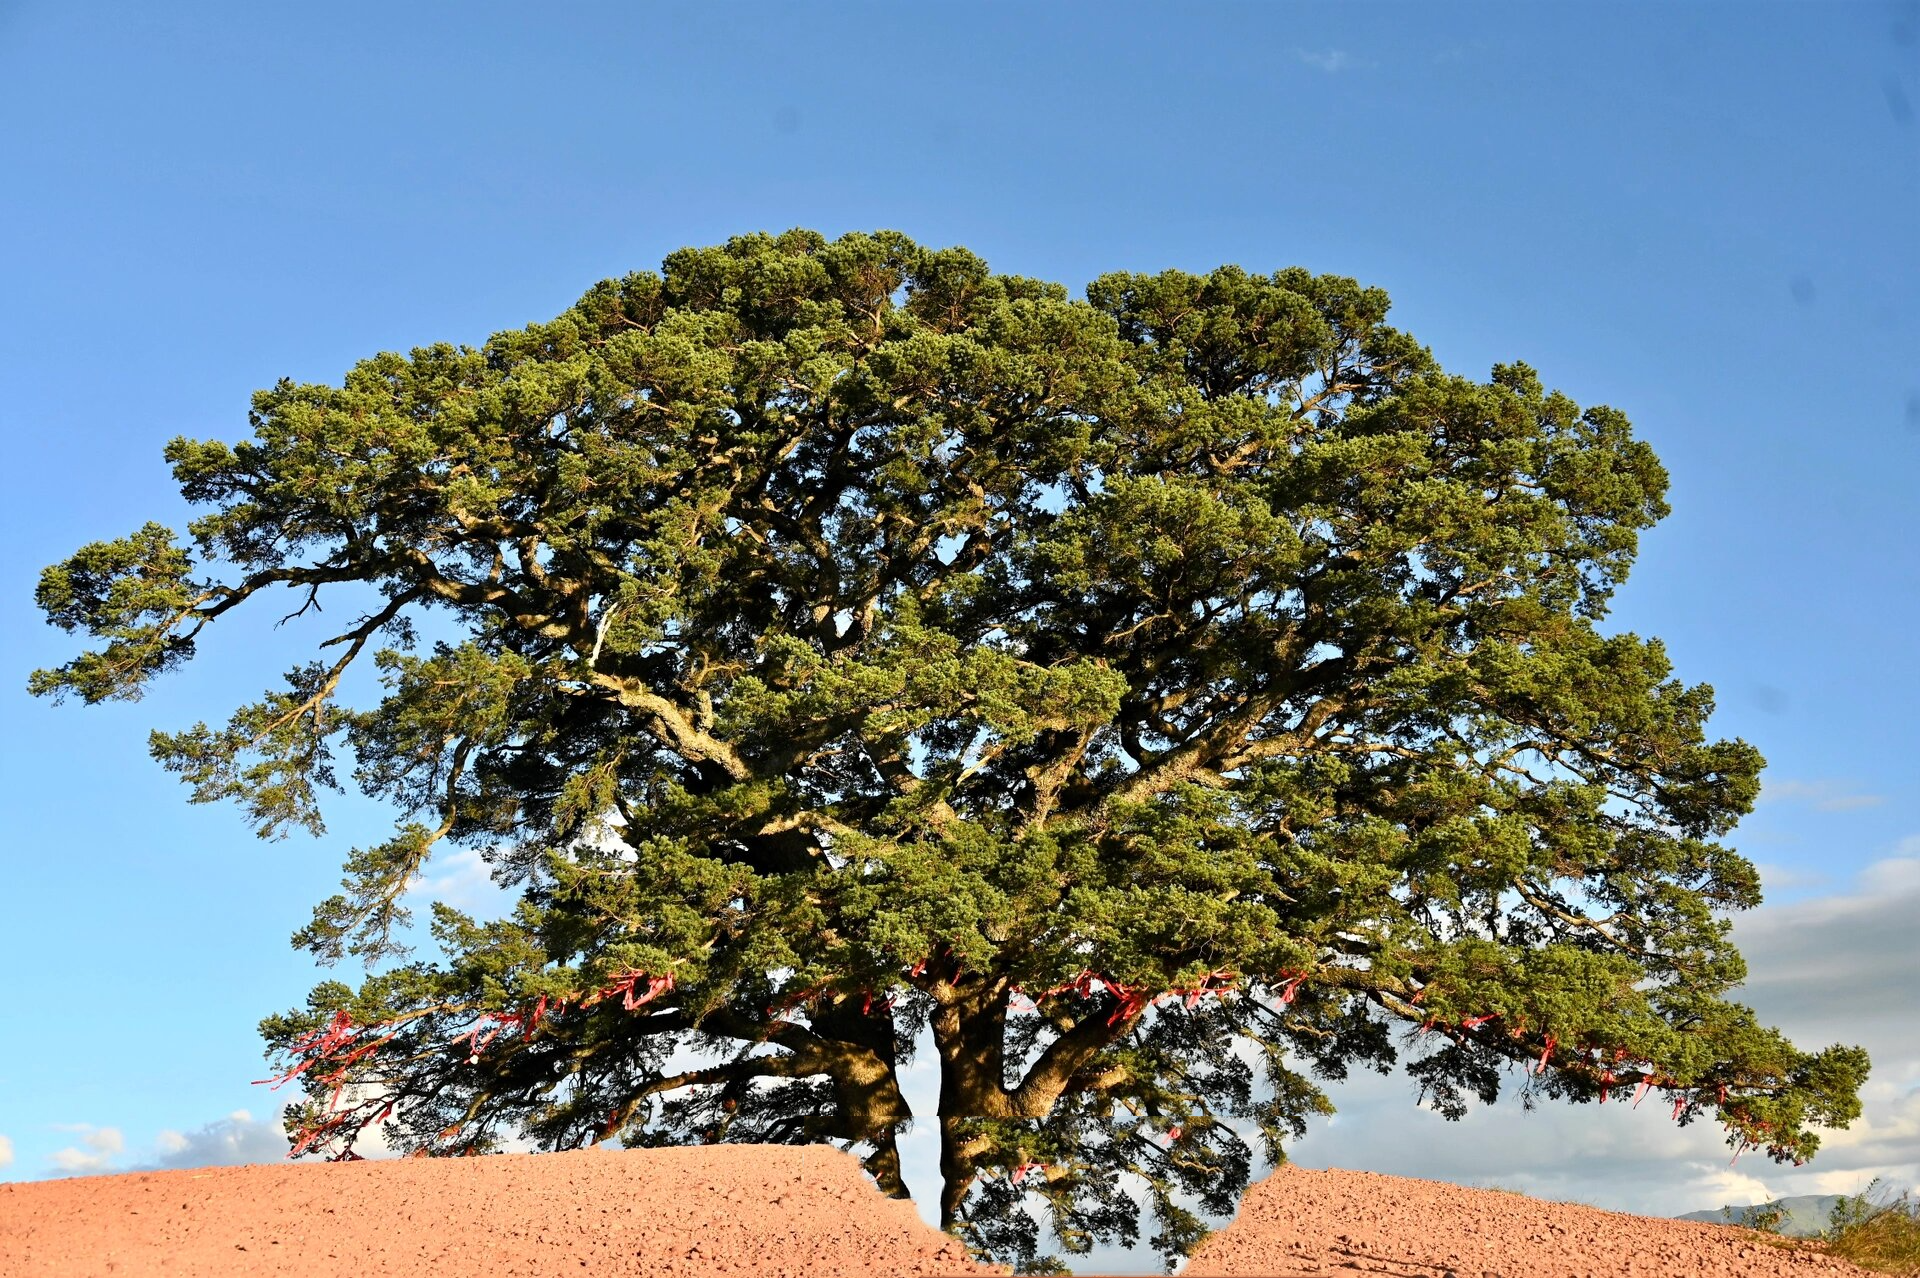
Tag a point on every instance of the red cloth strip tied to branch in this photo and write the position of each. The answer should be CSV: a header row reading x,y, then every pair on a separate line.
x,y
1131,1001
314,1047
323,1047
627,987
308,1135
1218,981
498,1021
1082,985
1020,1172
1133,998
318,1046
795,999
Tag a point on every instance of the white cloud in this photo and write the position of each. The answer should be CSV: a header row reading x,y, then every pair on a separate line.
x,y
103,1145
1819,970
237,1138
1775,877
1332,61
1826,969
6,1152
1840,967
461,878
1824,795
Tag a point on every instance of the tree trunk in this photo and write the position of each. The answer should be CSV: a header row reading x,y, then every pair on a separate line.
x,y
883,1164
969,1029
956,1169
866,1085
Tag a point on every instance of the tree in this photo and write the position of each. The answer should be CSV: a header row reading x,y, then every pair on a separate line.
x,y
836,639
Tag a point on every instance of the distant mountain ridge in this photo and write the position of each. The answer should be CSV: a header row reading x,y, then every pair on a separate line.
x,y
1806,1215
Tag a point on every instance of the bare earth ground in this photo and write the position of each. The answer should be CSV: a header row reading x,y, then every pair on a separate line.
x,y
1347,1223
777,1210
743,1209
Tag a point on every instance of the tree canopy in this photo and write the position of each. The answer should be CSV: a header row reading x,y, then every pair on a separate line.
x,y
1171,699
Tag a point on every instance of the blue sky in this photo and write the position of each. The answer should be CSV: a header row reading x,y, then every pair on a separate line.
x,y
1707,216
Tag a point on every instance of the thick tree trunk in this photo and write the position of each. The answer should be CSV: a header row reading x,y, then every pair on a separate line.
x,y
866,1084
883,1164
969,1029
956,1169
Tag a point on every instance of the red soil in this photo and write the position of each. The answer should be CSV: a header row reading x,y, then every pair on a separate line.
x,y
744,1209
778,1210
1299,1222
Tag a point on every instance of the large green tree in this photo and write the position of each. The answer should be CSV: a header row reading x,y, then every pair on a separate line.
x,y
1169,698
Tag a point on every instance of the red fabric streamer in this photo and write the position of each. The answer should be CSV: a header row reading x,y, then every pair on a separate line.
x,y
627,987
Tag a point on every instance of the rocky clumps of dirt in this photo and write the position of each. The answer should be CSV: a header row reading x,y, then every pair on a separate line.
x,y
780,1210
1299,1222
788,1211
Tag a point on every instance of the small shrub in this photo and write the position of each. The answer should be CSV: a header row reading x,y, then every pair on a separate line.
x,y
1877,1232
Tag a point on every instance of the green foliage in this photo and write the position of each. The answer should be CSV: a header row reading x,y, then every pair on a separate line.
x,y
1877,1229
1171,699
135,595
1766,1218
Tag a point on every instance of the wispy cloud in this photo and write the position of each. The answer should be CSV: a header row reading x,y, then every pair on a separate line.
x,y
6,1152
1825,795
103,1145
1822,969
461,877
1332,61
225,1142
1776,878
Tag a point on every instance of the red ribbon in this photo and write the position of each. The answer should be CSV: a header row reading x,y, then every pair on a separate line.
x,y
626,986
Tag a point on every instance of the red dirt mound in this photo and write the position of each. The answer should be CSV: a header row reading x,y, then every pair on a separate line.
x,y
744,1209
1299,1222
781,1210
